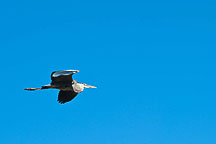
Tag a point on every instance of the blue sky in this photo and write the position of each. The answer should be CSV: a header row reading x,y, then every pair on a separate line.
x,y
152,61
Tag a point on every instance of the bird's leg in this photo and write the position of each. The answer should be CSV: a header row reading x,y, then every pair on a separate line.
x,y
43,87
32,89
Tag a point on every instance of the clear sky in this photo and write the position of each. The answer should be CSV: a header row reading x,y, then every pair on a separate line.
x,y
152,61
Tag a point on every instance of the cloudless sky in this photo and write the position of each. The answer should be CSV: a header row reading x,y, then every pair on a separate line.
x,y
152,61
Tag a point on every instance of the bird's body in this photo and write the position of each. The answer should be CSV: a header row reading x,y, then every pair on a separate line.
x,y
68,87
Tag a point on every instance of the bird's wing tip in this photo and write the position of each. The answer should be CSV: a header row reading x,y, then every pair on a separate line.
x,y
73,70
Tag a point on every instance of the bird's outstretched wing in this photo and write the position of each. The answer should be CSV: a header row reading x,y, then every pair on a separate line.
x,y
66,96
63,76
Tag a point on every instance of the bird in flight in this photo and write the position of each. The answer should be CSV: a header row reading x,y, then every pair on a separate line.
x,y
63,81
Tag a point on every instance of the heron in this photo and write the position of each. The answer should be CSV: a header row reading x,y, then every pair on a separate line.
x,y
62,80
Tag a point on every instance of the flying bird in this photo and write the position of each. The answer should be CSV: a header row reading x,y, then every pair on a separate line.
x,y
63,81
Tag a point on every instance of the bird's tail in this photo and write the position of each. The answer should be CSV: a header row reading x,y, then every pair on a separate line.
x,y
43,87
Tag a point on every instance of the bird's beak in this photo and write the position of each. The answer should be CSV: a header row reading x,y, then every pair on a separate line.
x,y
88,86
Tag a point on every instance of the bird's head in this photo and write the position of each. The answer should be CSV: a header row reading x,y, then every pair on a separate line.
x,y
79,87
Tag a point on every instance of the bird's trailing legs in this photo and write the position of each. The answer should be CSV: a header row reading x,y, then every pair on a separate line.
x,y
43,87
32,89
